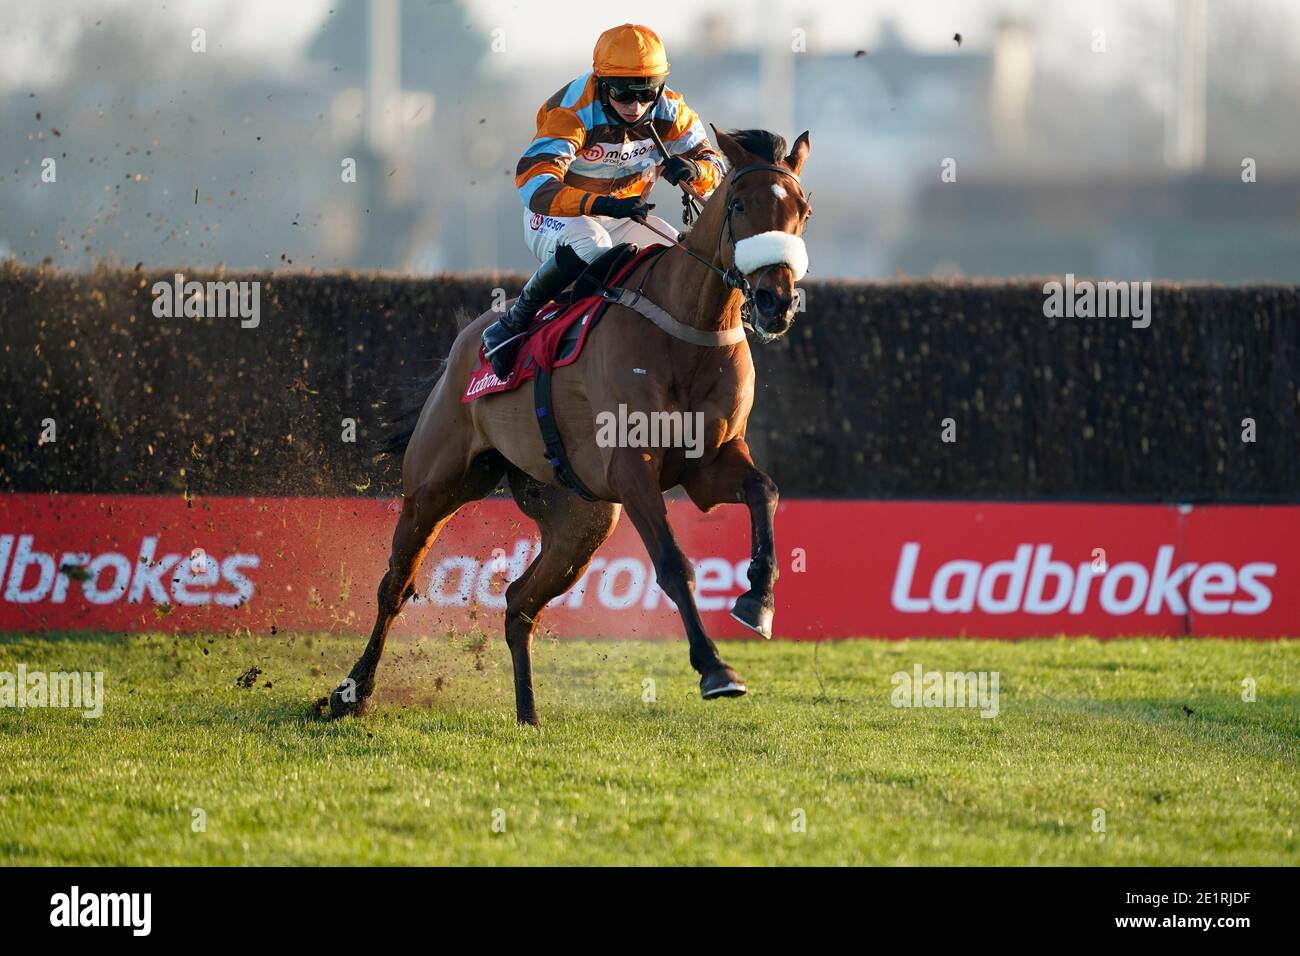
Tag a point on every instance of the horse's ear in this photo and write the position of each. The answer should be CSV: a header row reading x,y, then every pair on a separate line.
x,y
799,153
734,152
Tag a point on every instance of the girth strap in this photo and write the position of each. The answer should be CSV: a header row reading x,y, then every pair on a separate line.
x,y
555,453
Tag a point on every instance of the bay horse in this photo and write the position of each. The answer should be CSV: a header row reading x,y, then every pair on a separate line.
x,y
745,249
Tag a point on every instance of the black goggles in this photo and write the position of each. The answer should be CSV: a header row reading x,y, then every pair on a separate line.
x,y
634,94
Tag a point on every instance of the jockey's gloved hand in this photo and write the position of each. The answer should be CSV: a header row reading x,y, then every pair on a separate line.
x,y
679,168
633,207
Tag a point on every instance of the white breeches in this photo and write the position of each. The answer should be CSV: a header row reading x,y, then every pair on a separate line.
x,y
588,236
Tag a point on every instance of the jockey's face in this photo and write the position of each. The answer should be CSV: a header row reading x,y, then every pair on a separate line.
x,y
630,112
631,99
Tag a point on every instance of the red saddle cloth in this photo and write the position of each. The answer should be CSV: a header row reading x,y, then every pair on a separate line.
x,y
541,349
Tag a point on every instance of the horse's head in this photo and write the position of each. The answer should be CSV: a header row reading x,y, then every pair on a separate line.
x,y
762,232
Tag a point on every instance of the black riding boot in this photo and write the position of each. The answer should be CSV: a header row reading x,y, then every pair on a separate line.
x,y
502,339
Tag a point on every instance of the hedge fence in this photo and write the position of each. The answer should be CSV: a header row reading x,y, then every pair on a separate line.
x,y
851,403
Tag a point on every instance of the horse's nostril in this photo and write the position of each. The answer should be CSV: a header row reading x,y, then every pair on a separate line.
x,y
769,303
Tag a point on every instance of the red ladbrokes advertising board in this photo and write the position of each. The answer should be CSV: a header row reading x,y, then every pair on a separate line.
x,y
848,568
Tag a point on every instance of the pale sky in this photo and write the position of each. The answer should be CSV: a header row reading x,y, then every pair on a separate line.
x,y
35,33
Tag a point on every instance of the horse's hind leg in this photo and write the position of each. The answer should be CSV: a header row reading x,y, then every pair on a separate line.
x,y
424,513
572,529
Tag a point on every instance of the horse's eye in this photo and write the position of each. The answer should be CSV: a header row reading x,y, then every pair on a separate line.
x,y
737,206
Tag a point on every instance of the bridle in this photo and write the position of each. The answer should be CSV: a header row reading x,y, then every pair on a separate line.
x,y
732,276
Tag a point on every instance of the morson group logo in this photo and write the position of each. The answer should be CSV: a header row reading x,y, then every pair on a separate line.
x,y
1033,583
537,221
29,575
615,155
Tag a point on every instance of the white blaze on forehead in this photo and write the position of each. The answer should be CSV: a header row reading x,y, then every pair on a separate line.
x,y
769,248
779,191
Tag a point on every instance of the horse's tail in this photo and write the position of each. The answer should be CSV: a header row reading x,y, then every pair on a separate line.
x,y
409,402
400,422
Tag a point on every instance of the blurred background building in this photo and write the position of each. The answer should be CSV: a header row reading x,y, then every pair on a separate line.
x,y
1149,138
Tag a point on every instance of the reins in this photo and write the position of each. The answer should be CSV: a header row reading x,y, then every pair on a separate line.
x,y
732,276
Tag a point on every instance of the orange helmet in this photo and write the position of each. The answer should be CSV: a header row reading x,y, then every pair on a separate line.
x,y
629,50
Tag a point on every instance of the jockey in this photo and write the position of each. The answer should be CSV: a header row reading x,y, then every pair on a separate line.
x,y
583,178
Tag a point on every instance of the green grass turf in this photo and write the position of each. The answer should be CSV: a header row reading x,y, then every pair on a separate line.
x,y
612,779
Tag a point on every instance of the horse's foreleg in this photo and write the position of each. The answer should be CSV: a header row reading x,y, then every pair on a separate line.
x,y
732,477
634,477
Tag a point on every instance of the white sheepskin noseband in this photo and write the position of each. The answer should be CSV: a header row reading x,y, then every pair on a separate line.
x,y
770,248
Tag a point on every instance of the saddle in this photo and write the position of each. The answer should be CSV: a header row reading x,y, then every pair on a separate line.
x,y
603,272
558,332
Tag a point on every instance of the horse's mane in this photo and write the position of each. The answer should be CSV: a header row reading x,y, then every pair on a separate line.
x,y
763,144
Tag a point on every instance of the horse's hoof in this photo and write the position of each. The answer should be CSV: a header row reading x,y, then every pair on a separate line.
x,y
721,682
751,613
342,704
